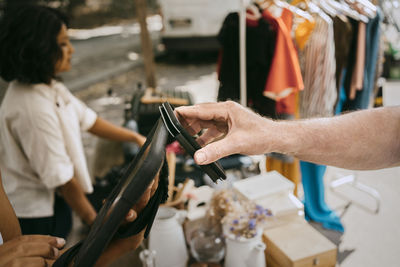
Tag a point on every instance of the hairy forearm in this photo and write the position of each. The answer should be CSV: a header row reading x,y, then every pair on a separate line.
x,y
76,199
368,139
105,129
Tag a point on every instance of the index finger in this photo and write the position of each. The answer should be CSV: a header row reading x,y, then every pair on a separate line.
x,y
31,249
204,111
52,240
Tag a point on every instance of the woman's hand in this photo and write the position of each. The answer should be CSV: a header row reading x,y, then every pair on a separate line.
x,y
30,251
140,139
118,247
151,189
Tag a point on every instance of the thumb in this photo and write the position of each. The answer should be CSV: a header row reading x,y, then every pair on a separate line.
x,y
213,152
131,216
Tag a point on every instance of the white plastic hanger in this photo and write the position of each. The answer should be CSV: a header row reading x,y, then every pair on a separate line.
x,y
293,9
311,7
327,8
255,12
363,7
350,12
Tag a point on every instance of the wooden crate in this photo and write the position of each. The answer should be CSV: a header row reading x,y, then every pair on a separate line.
x,y
298,245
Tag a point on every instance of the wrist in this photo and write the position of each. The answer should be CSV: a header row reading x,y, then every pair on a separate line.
x,y
139,139
282,137
89,218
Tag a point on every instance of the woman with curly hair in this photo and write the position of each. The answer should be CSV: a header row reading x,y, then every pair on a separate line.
x,y
41,154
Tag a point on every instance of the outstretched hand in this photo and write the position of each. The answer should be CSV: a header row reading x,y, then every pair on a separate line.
x,y
229,129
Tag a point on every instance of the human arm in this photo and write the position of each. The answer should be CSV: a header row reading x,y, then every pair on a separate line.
x,y
75,197
27,250
105,129
9,225
367,139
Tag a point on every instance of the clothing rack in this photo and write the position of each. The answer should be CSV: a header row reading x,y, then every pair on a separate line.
x,y
352,179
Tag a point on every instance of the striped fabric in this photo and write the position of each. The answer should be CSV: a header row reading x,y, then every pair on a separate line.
x,y
318,67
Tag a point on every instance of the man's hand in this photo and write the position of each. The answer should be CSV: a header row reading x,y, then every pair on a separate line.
x,y
30,251
230,128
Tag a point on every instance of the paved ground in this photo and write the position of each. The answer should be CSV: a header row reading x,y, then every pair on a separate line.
x,y
370,239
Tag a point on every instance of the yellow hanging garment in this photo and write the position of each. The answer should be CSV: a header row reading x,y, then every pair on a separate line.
x,y
303,32
303,27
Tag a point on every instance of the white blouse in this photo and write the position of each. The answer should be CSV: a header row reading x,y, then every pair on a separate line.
x,y
41,146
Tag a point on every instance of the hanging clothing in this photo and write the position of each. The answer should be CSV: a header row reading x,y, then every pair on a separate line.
x,y
260,46
351,59
379,62
228,64
303,32
364,97
357,78
315,207
343,32
318,67
284,77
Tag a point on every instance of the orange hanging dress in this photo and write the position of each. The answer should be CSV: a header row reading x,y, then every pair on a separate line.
x,y
284,78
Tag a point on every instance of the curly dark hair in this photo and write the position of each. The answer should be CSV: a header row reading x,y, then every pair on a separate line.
x,y
28,43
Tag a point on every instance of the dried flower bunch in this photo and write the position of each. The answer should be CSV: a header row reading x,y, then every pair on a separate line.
x,y
240,217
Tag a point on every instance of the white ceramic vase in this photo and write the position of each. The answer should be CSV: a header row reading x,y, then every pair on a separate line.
x,y
167,238
244,252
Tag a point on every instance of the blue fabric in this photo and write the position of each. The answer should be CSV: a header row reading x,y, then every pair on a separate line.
x,y
312,176
342,95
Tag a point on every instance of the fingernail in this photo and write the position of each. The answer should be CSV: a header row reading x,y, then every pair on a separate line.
x,y
56,252
200,157
60,241
130,214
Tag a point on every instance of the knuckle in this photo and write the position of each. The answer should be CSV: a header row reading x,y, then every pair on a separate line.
x,y
232,104
23,238
50,251
19,249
